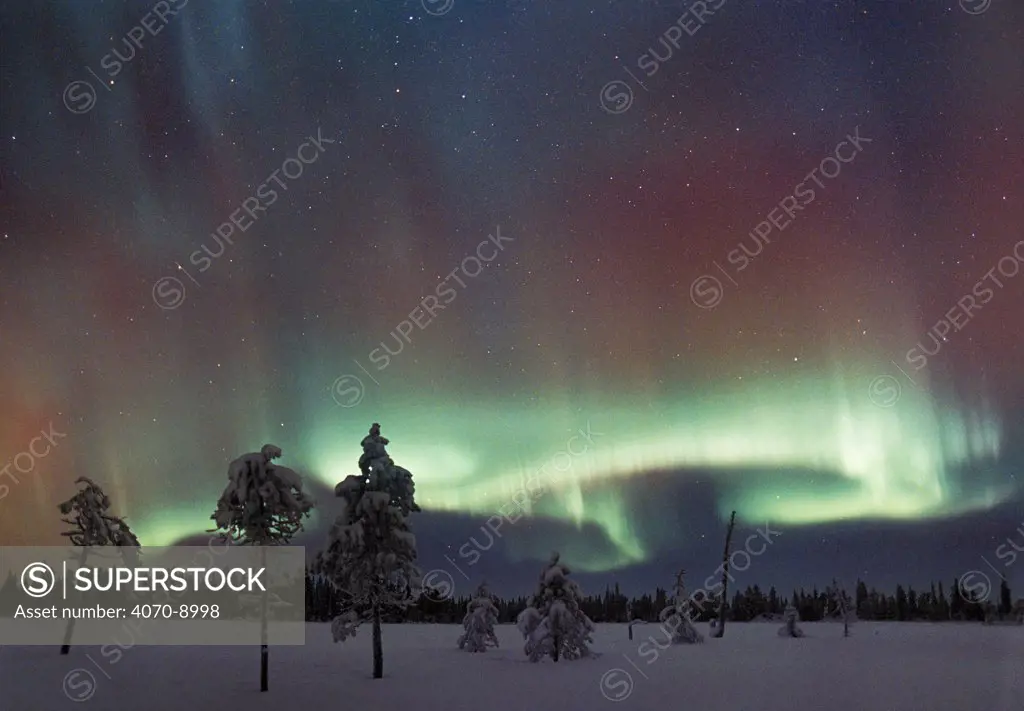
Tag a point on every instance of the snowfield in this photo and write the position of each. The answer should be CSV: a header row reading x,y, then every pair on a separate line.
x,y
882,667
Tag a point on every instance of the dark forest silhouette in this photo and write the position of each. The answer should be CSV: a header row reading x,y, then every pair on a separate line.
x,y
906,604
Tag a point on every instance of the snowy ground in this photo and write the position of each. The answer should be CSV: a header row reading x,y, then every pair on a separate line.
x,y
883,667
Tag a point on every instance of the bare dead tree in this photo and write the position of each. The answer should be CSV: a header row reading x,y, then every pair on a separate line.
x,y
720,626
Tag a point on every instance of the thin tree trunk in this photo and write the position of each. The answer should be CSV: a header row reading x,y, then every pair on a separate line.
x,y
264,647
845,613
720,627
66,647
378,648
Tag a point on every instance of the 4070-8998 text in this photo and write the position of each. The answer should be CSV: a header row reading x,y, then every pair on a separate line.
x,y
169,612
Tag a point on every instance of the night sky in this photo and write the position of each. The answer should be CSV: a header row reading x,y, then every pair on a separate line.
x,y
764,255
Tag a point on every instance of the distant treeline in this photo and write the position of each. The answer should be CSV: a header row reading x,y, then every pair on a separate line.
x,y
323,603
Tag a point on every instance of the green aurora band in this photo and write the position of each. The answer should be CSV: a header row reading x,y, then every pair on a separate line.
x,y
796,454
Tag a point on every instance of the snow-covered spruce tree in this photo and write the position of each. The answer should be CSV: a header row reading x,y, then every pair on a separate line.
x,y
990,612
262,505
839,606
371,551
678,616
481,616
790,629
87,512
553,624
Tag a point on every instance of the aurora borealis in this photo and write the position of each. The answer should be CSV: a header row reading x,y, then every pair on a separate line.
x,y
791,399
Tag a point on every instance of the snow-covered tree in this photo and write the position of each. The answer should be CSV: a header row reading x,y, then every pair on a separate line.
x,y
990,612
553,624
840,606
481,616
371,551
88,513
263,505
678,616
790,629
